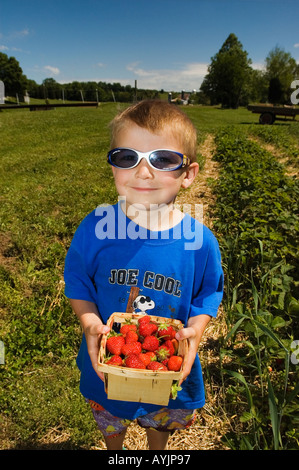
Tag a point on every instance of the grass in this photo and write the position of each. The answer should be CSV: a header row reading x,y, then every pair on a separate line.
x,y
208,119
53,172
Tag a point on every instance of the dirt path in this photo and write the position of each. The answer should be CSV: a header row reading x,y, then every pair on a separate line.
x,y
211,422
290,169
200,192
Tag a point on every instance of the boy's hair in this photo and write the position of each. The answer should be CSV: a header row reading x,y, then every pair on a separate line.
x,y
157,116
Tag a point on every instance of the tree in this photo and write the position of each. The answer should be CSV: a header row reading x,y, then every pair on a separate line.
x,y
281,70
257,88
52,89
275,91
33,88
227,74
12,75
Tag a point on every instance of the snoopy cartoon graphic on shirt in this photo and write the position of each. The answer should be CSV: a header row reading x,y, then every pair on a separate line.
x,y
143,303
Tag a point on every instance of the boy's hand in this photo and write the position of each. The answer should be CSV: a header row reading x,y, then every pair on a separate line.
x,y
193,333
93,328
93,333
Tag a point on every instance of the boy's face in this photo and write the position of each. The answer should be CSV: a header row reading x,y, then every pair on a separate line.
x,y
143,184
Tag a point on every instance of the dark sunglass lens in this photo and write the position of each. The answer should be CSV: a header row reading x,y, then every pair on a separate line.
x,y
123,158
165,160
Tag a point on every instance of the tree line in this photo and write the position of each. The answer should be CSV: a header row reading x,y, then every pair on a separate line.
x,y
231,81
86,91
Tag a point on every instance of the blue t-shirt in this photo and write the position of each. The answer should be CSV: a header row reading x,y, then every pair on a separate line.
x,y
178,273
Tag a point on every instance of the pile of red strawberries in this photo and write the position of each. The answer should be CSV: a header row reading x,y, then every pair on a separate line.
x,y
147,345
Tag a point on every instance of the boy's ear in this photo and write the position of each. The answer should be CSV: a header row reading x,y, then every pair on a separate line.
x,y
190,174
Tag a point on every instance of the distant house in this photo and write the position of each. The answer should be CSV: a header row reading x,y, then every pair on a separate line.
x,y
184,98
185,95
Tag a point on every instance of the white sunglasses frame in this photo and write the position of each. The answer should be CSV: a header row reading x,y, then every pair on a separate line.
x,y
185,160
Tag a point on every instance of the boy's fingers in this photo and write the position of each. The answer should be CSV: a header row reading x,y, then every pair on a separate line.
x,y
101,375
186,371
185,333
99,329
104,329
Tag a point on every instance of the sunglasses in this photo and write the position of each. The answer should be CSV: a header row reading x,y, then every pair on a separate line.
x,y
164,160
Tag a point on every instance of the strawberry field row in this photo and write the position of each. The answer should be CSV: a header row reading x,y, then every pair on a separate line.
x,y
256,220
281,139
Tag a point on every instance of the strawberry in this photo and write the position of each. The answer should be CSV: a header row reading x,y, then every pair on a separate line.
x,y
132,360
165,350
175,363
147,328
170,346
128,327
162,352
166,330
144,319
114,344
150,343
147,357
152,355
175,345
131,348
131,337
114,360
154,365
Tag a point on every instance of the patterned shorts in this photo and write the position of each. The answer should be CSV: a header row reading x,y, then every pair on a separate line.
x,y
161,420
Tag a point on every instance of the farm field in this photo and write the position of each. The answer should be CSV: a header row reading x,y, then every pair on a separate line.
x,y
53,172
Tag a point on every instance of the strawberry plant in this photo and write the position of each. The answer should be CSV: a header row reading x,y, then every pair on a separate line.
x,y
256,220
284,141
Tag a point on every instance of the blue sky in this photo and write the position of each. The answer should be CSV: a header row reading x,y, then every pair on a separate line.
x,y
160,43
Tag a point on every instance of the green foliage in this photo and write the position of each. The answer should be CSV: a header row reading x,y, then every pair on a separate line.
x,y
88,91
256,217
281,70
285,139
227,74
12,75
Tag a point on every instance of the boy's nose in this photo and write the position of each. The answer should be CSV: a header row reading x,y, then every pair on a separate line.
x,y
143,170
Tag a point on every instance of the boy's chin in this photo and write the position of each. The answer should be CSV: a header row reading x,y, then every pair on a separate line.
x,y
147,206
144,206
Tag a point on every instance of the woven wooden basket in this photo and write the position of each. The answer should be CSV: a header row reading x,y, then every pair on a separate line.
x,y
136,385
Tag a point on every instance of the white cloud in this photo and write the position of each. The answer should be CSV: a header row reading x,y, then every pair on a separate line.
x,y
52,70
183,77
13,49
296,45
258,66
21,34
18,34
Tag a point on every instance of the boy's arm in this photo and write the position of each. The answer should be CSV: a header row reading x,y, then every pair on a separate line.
x,y
193,332
93,328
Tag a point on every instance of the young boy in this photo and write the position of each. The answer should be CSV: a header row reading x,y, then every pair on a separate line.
x,y
143,242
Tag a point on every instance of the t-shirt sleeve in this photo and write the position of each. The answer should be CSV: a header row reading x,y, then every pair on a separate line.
x,y
78,281
209,292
